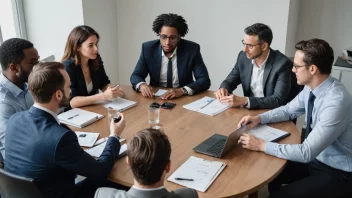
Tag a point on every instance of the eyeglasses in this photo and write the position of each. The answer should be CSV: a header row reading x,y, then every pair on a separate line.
x,y
298,66
171,38
250,46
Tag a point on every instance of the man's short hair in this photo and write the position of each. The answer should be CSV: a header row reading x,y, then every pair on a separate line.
x,y
317,52
12,51
263,32
45,80
148,152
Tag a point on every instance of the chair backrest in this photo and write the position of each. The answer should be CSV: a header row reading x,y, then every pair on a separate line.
x,y
15,186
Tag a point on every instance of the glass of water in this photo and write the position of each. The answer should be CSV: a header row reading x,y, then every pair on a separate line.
x,y
154,115
112,113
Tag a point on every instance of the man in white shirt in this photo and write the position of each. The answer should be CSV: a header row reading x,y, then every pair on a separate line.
x,y
148,155
265,74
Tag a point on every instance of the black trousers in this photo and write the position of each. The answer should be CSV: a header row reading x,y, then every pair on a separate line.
x,y
313,179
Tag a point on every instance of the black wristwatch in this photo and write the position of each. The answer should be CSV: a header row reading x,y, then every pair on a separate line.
x,y
185,92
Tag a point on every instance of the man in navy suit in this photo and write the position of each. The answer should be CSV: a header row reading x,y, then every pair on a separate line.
x,y
170,61
48,152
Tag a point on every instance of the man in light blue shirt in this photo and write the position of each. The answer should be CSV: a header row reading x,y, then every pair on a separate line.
x,y
17,57
322,165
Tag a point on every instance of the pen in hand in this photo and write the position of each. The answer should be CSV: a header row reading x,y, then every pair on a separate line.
x,y
185,179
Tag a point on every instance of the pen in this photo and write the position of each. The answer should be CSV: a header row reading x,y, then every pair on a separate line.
x,y
185,179
207,103
69,118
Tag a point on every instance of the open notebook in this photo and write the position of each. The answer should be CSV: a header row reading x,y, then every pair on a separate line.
x,y
121,104
207,105
79,117
197,173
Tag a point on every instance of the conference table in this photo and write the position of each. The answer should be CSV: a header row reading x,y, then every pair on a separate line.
x,y
246,171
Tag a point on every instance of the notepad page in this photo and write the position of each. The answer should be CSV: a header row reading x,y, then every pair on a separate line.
x,y
88,140
267,133
98,150
79,117
198,104
120,104
214,108
203,172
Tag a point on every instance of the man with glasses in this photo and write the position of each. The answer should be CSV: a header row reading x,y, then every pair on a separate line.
x,y
17,57
322,165
170,61
265,74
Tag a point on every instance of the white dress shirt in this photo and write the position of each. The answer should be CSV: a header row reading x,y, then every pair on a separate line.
x,y
163,72
257,80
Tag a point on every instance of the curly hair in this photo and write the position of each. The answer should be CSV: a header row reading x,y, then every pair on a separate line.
x,y
12,51
170,20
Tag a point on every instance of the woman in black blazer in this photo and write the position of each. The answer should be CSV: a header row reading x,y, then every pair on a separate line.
x,y
86,70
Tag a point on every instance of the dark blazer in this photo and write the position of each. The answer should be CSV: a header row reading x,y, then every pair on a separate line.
x,y
189,63
134,193
78,84
279,82
41,149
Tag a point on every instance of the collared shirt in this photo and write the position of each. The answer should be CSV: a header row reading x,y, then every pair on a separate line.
x,y
330,140
12,100
163,72
257,80
148,189
48,111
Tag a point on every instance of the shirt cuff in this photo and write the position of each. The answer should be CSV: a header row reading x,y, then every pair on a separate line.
x,y
248,104
270,148
189,90
138,85
263,118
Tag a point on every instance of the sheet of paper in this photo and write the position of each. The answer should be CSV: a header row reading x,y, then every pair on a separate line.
x,y
86,138
203,172
267,133
121,104
160,92
98,150
207,105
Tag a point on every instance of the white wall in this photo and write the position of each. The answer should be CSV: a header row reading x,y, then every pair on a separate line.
x,y
292,25
328,20
49,23
216,25
7,22
101,16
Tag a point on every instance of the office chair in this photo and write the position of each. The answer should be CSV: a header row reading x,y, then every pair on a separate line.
x,y
15,186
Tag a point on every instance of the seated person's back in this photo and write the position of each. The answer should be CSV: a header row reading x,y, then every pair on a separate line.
x,y
148,155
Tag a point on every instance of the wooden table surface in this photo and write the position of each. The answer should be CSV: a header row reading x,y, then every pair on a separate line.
x,y
246,171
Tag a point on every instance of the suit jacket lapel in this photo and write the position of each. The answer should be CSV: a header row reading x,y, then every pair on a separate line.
x,y
268,67
81,80
157,66
248,75
180,61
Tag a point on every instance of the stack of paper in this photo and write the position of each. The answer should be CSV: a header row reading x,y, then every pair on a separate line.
x,y
268,133
197,173
120,104
207,105
86,139
79,117
98,150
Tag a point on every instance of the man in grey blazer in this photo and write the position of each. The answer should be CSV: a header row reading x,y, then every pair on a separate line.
x,y
148,156
265,74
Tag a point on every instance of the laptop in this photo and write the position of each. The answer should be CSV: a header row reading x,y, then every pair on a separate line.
x,y
218,145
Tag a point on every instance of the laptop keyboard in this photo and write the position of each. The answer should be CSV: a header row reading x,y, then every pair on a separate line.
x,y
217,147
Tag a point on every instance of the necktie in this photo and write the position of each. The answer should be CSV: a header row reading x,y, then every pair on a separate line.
x,y
309,113
169,74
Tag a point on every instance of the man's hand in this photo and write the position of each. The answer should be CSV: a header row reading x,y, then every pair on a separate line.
x,y
250,121
251,142
117,128
147,91
220,93
233,100
172,93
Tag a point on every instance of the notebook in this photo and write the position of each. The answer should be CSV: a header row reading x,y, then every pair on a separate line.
x,y
207,105
268,133
121,104
86,139
197,173
98,150
79,117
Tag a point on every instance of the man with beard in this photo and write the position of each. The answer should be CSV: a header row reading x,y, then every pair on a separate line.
x,y
265,74
48,152
17,57
170,61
